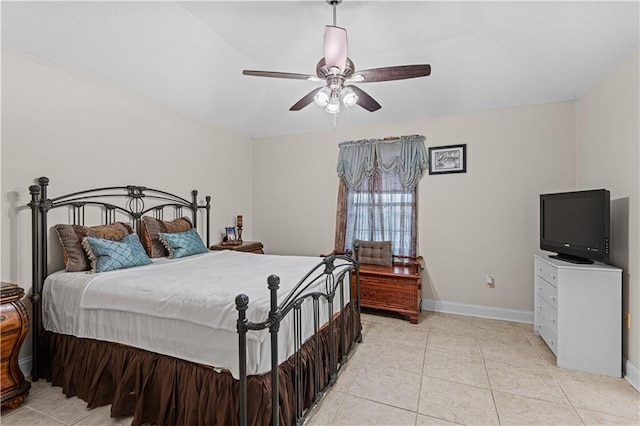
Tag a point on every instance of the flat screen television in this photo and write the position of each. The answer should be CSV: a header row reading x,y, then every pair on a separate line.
x,y
575,225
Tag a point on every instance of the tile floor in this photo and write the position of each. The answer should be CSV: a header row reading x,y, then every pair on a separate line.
x,y
448,369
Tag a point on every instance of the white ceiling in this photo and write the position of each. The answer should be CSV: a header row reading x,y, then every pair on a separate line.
x,y
189,56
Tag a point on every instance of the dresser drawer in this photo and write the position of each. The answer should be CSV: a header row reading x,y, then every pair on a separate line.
x,y
547,291
9,318
547,314
550,338
377,295
8,341
547,272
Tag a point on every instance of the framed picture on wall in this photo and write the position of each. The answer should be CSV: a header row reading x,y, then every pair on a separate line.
x,y
448,159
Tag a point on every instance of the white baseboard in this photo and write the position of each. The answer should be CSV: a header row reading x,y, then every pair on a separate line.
x,y
481,311
25,365
631,373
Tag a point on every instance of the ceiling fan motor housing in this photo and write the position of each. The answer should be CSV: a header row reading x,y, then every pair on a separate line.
x,y
322,71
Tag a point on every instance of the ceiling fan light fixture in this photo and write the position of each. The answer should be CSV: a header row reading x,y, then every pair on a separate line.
x,y
333,107
349,98
322,97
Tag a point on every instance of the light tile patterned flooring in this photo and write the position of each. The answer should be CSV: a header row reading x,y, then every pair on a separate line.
x,y
448,369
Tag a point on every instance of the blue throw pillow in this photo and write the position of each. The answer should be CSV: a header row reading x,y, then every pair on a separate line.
x,y
107,255
183,244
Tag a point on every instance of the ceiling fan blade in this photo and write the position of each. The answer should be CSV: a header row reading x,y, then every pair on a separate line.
x,y
335,47
364,100
275,74
306,100
392,73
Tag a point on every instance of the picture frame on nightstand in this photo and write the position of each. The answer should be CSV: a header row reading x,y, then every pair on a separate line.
x,y
230,236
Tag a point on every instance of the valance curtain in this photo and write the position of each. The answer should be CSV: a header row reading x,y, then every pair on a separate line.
x,y
405,156
377,198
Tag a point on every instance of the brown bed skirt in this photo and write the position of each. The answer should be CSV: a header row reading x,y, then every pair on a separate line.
x,y
164,390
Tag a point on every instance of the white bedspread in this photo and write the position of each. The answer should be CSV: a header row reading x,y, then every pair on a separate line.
x,y
183,308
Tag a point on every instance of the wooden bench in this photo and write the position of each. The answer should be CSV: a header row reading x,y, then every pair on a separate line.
x,y
396,288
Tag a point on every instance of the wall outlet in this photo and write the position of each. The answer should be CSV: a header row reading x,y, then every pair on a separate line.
x,y
490,281
628,319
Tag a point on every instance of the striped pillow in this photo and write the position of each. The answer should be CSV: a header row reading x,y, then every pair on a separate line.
x,y
151,229
74,256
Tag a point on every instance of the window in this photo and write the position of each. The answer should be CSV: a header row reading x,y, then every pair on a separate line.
x,y
377,200
381,210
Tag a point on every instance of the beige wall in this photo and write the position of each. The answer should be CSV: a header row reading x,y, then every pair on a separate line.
x,y
482,222
607,156
84,134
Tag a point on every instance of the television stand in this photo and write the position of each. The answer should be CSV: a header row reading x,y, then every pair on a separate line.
x,y
571,259
577,314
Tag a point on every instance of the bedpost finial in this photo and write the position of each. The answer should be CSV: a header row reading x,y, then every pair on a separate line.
x,y
242,302
274,282
43,180
34,190
329,264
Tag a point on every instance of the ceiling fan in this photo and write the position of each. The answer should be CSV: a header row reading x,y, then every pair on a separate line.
x,y
336,69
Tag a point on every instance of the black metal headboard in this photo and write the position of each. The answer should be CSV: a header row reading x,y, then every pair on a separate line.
x,y
130,201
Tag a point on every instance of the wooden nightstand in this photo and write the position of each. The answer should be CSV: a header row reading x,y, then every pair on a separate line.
x,y
14,325
247,246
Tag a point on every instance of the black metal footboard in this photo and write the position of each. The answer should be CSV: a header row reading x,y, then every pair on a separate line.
x,y
335,272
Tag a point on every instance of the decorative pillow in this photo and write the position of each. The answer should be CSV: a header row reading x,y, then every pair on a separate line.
x,y
183,244
107,255
71,236
151,229
375,252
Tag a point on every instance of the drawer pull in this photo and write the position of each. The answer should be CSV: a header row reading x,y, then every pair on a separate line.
x,y
553,298
553,276
553,320
2,317
540,288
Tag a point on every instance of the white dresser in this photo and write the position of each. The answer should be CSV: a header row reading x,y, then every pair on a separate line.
x,y
578,313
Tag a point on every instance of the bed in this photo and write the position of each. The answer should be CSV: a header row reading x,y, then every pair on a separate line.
x,y
184,336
